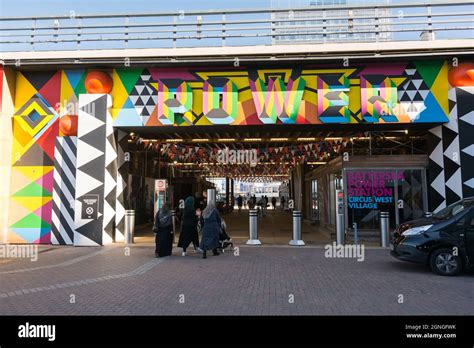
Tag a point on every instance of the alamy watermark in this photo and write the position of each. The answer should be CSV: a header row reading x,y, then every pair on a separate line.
x,y
354,251
13,251
227,156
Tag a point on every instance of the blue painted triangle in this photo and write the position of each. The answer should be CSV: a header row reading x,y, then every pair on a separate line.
x,y
433,112
29,234
74,76
128,104
128,116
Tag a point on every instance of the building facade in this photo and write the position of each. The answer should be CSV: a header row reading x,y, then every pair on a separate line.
x,y
65,134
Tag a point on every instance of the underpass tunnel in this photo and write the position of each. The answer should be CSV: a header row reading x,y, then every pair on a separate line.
x,y
295,170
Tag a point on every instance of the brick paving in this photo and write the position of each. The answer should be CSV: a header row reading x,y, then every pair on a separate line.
x,y
259,281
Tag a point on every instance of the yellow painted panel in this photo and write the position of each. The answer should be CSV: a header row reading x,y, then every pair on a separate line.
x,y
440,88
34,172
23,91
32,203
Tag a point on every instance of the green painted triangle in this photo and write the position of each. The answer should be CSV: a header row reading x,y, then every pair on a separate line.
x,y
429,70
129,77
32,190
81,86
31,221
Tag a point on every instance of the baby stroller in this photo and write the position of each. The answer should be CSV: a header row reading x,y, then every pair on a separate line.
x,y
224,240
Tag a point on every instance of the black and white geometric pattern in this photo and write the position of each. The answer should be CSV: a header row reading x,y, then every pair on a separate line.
x,y
64,189
144,97
122,177
445,160
413,93
110,181
90,164
465,110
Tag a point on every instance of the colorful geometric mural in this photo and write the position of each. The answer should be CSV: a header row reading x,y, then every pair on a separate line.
x,y
40,99
35,127
375,93
401,92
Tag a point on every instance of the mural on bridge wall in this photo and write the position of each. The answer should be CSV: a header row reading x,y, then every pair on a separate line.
x,y
45,121
375,93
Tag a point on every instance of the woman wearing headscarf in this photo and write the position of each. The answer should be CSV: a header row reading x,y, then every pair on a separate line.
x,y
210,230
163,228
189,232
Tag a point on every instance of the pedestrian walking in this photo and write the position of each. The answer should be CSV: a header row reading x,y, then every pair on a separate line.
x,y
163,227
210,231
189,232
239,202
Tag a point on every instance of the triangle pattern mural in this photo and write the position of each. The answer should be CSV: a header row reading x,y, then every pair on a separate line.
x,y
465,98
92,213
413,93
144,96
446,157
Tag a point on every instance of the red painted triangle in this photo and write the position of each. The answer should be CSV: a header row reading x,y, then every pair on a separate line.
x,y
51,91
47,139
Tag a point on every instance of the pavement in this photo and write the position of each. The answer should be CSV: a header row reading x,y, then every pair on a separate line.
x,y
253,280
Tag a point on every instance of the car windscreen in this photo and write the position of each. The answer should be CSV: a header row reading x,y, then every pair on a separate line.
x,y
452,210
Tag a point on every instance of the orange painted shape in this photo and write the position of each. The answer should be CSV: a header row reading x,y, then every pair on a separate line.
x,y
98,82
68,125
462,75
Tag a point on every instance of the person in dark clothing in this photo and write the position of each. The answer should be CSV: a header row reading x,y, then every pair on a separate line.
x,y
163,228
189,233
274,202
239,202
210,230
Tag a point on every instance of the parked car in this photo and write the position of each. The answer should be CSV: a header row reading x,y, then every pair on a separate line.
x,y
444,241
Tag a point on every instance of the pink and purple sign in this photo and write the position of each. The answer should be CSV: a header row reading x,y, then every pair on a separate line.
x,y
369,189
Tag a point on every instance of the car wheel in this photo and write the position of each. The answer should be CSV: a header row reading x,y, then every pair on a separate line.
x,y
443,262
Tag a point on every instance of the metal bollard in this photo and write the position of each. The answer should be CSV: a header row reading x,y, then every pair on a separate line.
x,y
253,228
129,226
340,236
384,224
211,196
356,233
173,219
297,241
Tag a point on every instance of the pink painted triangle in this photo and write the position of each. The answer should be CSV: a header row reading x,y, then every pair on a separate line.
x,y
46,181
44,238
45,212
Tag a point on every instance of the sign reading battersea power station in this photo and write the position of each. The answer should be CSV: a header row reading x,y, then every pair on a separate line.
x,y
68,139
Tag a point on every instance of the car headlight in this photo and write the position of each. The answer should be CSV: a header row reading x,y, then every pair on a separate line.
x,y
416,230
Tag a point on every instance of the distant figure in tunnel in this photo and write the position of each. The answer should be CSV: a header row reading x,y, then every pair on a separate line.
x,y
210,230
239,202
163,228
274,202
189,232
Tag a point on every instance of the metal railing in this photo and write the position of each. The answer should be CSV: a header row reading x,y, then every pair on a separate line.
x,y
447,19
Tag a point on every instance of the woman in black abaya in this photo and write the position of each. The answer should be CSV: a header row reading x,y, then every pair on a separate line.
x,y
163,228
189,233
